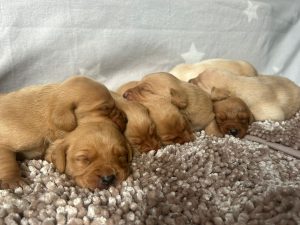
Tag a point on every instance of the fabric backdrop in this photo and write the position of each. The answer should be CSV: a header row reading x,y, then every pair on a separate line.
x,y
117,41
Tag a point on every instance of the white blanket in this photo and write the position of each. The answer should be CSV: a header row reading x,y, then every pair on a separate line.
x,y
117,41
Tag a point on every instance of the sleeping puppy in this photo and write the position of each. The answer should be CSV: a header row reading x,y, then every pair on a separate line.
x,y
190,100
186,72
140,130
233,116
172,125
268,97
33,117
95,155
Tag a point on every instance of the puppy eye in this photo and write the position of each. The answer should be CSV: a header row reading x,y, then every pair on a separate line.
x,y
136,141
220,117
83,159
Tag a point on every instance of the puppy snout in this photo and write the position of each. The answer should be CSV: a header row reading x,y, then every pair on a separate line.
x,y
107,180
234,132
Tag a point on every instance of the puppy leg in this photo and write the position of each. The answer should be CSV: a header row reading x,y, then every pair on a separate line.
x,y
212,129
9,169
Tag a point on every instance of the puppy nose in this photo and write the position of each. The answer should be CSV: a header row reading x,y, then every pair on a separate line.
x,y
234,132
108,180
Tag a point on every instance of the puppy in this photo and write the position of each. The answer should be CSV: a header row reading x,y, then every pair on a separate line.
x,y
172,125
233,116
95,155
268,97
192,101
33,117
186,72
140,130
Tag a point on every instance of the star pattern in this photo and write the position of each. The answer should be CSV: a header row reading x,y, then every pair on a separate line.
x,y
193,55
251,11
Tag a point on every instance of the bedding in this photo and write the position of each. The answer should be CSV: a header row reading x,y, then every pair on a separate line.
x,y
208,181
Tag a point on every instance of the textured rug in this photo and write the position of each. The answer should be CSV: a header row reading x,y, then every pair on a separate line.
x,y
209,181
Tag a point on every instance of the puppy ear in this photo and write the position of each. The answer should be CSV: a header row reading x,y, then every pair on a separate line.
x,y
138,92
193,81
56,154
218,94
63,115
220,117
178,99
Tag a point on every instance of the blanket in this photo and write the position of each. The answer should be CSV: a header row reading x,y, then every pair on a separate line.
x,y
208,181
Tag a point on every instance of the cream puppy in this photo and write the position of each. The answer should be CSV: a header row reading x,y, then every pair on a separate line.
x,y
186,72
268,97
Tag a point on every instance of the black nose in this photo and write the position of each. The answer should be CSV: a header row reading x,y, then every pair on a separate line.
x,y
108,180
234,132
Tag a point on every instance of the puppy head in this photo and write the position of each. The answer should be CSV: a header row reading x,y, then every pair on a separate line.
x,y
141,130
96,155
172,125
79,100
233,116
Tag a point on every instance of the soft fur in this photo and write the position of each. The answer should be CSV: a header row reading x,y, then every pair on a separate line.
x,y
268,97
233,116
140,130
33,117
193,102
186,72
96,155
171,124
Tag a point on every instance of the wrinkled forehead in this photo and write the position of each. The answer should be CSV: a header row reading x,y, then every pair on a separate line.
x,y
232,103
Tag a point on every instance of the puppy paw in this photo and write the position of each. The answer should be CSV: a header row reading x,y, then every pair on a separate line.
x,y
13,183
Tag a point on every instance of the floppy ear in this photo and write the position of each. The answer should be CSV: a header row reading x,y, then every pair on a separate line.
x,y
193,81
138,92
56,154
63,114
218,94
178,99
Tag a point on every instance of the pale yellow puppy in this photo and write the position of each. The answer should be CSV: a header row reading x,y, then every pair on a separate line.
x,y
186,72
268,97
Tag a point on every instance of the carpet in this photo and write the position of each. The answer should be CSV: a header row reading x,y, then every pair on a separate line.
x,y
221,181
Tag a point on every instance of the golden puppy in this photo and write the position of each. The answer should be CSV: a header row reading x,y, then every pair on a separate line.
x,y
96,155
186,72
171,124
192,101
233,116
33,117
268,97
140,130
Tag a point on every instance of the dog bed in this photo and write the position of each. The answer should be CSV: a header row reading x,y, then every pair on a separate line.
x,y
208,181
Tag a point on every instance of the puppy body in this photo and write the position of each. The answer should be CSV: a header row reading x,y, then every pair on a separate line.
x,y
98,160
140,129
268,97
194,102
186,72
33,117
